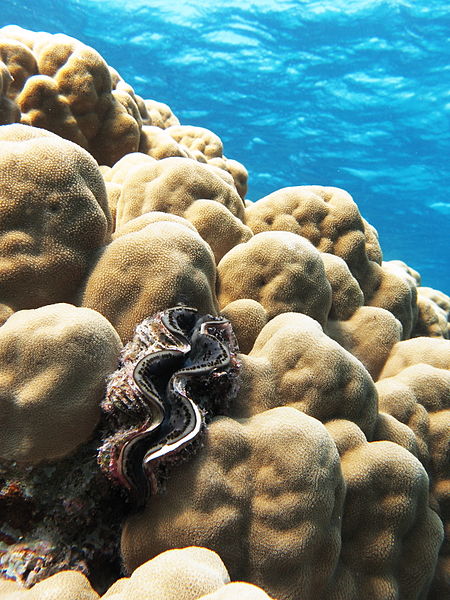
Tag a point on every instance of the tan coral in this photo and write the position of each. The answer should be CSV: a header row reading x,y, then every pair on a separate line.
x,y
412,396
390,535
116,175
236,170
113,191
151,217
157,143
441,299
8,586
149,270
294,363
280,270
241,590
119,131
393,291
54,215
160,114
217,226
439,447
19,58
65,585
71,93
390,429
268,494
400,265
119,85
9,111
125,166
327,216
172,185
197,139
373,249
53,365
419,396
190,573
247,318
347,296
433,318
396,291
5,312
369,334
430,351
265,493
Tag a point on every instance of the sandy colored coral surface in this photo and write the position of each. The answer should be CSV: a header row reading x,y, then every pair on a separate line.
x,y
66,87
390,535
248,496
294,363
173,184
149,270
326,216
280,270
53,216
53,364
191,573
187,574
66,585
325,471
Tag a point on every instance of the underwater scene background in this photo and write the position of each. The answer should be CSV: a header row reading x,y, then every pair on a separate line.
x,y
335,93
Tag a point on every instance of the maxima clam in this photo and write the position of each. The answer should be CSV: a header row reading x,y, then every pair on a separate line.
x,y
179,370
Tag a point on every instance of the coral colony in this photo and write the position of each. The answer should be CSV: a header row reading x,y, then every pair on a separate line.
x,y
195,387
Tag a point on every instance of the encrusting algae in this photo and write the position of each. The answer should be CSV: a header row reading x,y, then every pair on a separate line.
x,y
201,396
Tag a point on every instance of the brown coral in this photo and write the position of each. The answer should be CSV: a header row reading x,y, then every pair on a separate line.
x,y
247,317
433,318
326,216
172,185
268,495
191,573
9,111
54,216
419,397
390,536
280,270
369,334
67,89
202,142
316,310
202,194
248,496
159,114
65,585
294,363
149,270
53,364
329,218
430,351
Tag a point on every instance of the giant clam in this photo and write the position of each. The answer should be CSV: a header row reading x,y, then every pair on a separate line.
x,y
179,370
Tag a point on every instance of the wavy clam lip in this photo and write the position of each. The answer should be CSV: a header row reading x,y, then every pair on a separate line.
x,y
178,371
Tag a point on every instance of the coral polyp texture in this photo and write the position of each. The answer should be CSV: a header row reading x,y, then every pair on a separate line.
x,y
201,396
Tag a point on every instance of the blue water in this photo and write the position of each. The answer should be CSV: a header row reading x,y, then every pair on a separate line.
x,y
353,94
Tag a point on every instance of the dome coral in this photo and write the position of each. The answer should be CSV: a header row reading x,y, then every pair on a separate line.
x,y
201,397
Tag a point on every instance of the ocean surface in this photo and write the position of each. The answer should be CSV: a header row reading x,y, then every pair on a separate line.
x,y
347,93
